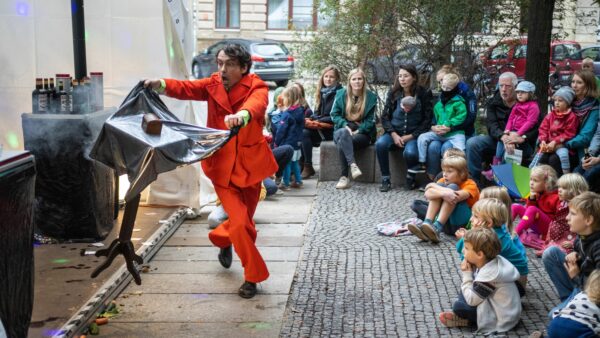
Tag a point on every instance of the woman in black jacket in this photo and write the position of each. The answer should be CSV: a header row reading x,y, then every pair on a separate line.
x,y
314,133
403,128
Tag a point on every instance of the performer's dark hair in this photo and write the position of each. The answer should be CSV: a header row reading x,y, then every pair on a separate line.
x,y
238,52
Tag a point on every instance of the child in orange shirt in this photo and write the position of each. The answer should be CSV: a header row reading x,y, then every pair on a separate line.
x,y
450,201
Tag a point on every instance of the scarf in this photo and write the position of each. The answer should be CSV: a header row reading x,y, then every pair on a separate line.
x,y
326,91
582,108
447,96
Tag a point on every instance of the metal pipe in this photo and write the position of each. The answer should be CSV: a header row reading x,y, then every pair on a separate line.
x,y
78,25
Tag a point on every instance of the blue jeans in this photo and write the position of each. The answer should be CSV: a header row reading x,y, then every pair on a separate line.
x,y
435,152
287,172
561,327
270,186
592,176
554,260
385,143
479,148
457,140
464,310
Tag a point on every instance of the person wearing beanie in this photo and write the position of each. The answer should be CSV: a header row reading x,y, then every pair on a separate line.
x,y
450,111
559,126
523,118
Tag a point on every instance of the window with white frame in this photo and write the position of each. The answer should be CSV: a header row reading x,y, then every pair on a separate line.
x,y
295,14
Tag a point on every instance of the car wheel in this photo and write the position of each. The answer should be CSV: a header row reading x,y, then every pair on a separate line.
x,y
370,74
196,70
282,83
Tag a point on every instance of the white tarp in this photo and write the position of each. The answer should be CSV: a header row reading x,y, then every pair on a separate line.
x,y
124,39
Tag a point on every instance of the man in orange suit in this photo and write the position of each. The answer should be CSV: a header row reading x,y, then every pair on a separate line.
x,y
235,98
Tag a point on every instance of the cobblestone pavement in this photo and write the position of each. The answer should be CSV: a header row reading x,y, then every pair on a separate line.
x,y
353,282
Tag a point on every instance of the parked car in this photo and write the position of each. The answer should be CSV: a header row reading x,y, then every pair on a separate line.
x,y
592,52
384,69
511,55
271,60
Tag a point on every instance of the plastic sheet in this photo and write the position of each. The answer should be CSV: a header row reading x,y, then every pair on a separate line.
x,y
125,147
74,194
17,187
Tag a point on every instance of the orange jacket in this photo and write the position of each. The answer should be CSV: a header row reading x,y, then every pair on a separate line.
x,y
246,159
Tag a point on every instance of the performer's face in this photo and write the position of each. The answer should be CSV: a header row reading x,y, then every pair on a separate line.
x,y
230,69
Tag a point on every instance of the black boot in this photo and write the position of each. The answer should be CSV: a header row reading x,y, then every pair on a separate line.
x,y
225,257
386,185
247,290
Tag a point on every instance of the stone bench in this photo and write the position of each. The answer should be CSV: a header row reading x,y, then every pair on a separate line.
x,y
366,159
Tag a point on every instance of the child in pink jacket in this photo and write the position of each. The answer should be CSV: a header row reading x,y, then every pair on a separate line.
x,y
559,126
523,116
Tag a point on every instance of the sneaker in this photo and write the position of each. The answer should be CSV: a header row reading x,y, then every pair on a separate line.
x,y
297,185
417,169
355,171
284,187
416,230
450,319
343,183
431,232
308,170
386,185
410,182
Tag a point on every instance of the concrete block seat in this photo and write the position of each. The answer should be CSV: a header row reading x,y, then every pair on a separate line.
x,y
366,159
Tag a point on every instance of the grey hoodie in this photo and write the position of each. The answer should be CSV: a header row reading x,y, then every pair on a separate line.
x,y
495,294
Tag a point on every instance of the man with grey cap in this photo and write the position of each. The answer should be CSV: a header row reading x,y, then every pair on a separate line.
x,y
483,147
559,126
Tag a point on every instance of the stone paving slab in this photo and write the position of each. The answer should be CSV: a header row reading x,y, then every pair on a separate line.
x,y
192,329
351,281
213,267
210,253
200,307
283,210
225,281
268,235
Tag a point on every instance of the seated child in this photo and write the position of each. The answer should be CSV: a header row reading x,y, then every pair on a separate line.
x,y
489,297
558,127
569,186
449,112
420,206
581,316
450,200
569,272
540,207
493,213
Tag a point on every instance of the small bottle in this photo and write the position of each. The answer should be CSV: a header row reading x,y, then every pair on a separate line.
x,y
80,99
35,95
63,98
43,101
54,104
87,86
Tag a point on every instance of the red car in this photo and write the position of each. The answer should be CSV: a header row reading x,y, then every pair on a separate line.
x,y
511,54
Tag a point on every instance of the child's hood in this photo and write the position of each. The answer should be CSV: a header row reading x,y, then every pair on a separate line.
x,y
498,270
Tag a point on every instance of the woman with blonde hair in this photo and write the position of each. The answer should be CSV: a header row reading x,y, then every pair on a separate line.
x,y
319,126
353,116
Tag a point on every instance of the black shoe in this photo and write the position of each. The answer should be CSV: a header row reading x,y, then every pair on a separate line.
x,y
411,184
225,257
417,169
247,290
386,185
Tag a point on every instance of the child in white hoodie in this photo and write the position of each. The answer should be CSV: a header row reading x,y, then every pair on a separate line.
x,y
489,297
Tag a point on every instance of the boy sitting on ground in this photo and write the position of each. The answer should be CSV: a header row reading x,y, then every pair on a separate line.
x,y
450,201
569,272
489,297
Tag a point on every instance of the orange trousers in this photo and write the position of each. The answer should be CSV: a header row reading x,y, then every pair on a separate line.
x,y
239,229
